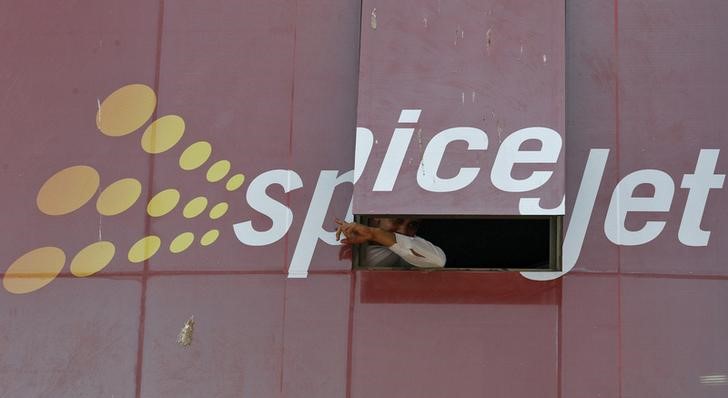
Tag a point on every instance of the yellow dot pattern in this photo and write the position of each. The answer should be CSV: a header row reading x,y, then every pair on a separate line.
x,y
209,237
235,182
92,258
218,171
195,207
162,134
67,190
118,197
195,155
144,249
34,270
218,210
125,110
163,202
181,242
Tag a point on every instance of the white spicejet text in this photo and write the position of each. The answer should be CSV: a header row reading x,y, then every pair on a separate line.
x,y
623,201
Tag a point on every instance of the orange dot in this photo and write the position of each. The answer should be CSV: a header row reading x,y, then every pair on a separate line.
x,y
235,182
67,190
195,155
163,202
209,237
218,210
118,197
125,110
181,242
195,207
144,248
163,133
92,258
218,170
34,270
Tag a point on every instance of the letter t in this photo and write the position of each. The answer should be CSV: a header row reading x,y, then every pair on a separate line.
x,y
699,184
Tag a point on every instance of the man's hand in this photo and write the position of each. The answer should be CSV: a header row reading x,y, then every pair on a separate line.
x,y
354,233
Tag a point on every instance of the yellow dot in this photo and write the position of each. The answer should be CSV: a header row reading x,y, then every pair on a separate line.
x,y
181,242
195,207
125,110
92,258
163,202
118,197
235,182
209,237
68,190
33,270
218,210
163,133
218,171
195,155
144,248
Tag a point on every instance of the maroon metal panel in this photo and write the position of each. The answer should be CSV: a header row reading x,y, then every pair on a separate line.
x,y
672,337
236,348
489,68
226,68
454,349
591,79
324,116
672,96
77,338
316,336
590,350
455,287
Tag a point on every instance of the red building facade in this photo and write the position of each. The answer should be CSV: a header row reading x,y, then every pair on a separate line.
x,y
162,160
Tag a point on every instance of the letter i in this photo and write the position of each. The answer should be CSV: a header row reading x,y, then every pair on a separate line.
x,y
396,151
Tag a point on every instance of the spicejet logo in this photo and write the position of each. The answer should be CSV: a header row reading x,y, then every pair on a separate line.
x,y
130,107
122,112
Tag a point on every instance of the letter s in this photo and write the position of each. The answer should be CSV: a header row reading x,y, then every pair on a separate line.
x,y
281,215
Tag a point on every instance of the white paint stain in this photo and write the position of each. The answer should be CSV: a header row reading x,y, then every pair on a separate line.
x,y
98,112
419,143
545,58
459,34
488,39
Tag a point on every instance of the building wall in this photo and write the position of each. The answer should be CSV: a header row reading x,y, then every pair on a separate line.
x,y
271,85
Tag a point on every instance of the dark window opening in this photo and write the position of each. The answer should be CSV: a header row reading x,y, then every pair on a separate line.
x,y
498,243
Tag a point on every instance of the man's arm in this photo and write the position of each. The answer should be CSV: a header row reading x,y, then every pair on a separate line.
x,y
355,234
418,252
414,250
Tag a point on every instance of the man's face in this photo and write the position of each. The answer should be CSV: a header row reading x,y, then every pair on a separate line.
x,y
404,226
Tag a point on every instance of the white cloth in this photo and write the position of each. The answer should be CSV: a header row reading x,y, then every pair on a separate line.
x,y
402,253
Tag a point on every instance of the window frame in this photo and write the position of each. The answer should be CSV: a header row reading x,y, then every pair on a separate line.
x,y
555,243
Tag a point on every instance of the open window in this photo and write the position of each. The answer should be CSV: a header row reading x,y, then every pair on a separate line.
x,y
487,243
